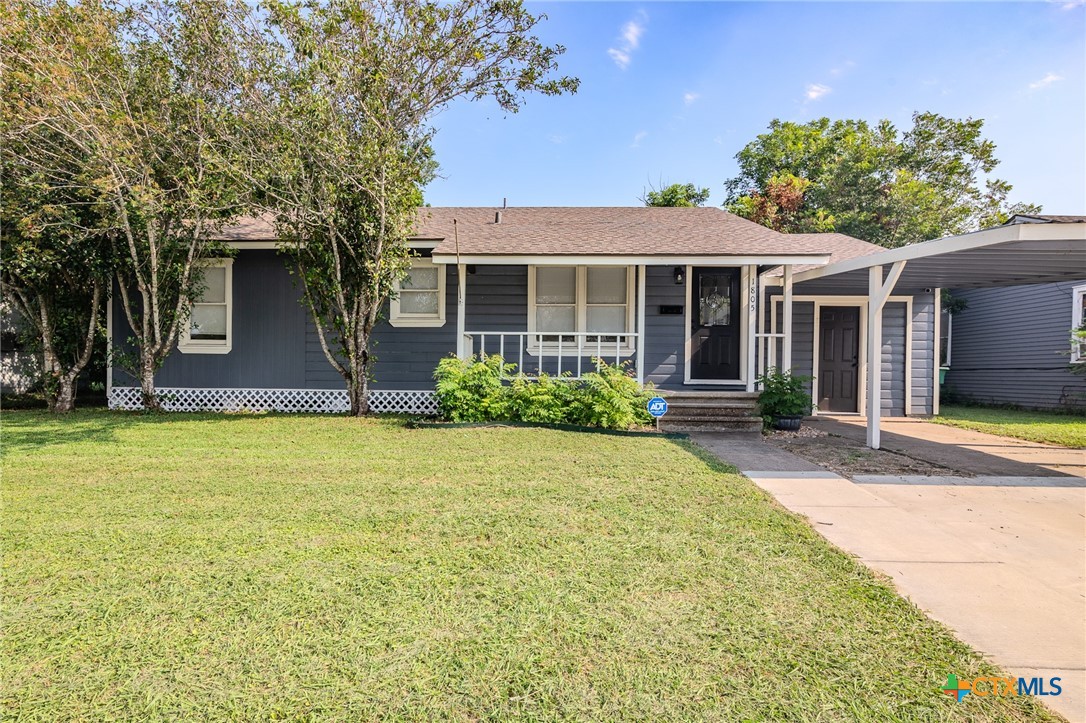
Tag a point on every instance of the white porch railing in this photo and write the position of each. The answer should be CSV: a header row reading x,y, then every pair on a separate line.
x,y
569,353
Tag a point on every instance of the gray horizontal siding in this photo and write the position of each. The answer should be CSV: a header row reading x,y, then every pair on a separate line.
x,y
892,372
665,345
1009,346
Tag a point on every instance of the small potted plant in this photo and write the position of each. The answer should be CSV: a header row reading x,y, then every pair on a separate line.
x,y
784,400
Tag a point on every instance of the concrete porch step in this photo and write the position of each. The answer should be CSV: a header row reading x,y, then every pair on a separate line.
x,y
737,425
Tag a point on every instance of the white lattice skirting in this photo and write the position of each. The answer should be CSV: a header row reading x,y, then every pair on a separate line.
x,y
177,399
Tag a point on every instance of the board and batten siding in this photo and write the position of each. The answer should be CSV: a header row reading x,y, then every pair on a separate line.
x,y
268,328
1010,346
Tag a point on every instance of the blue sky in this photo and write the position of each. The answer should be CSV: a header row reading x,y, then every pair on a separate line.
x,y
671,91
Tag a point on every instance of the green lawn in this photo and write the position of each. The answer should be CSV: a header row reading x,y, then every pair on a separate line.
x,y
325,568
1068,430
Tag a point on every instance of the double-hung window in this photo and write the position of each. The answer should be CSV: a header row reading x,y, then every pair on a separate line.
x,y
210,324
420,296
583,306
1078,324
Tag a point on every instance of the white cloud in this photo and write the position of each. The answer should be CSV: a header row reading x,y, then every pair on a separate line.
x,y
557,139
817,90
690,97
630,40
638,137
1046,81
843,67
1072,4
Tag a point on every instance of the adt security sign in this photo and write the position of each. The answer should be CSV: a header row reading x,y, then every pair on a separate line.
x,y
657,407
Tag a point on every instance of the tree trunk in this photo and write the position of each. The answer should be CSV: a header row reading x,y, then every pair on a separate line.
x,y
64,400
147,383
358,384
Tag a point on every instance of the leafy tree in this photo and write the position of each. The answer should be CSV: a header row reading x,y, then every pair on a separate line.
x,y
54,259
140,97
872,181
677,194
338,114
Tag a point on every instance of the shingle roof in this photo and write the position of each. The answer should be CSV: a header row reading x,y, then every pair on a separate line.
x,y
633,230
838,245
1043,218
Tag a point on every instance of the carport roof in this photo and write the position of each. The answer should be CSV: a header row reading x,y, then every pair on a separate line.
x,y
1042,251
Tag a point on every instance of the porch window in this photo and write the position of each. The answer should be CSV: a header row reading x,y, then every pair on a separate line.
x,y
1078,324
585,305
210,326
420,297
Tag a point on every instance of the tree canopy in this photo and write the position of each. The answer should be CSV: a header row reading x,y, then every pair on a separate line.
x,y
677,194
873,181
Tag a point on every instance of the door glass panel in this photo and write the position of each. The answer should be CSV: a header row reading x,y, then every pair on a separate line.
x,y
418,302
555,318
208,322
714,300
606,285
606,318
214,282
555,286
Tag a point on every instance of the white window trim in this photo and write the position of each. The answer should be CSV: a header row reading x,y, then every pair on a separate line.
x,y
580,302
399,318
1077,292
185,344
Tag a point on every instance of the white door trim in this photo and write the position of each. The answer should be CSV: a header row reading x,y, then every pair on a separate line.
x,y
744,326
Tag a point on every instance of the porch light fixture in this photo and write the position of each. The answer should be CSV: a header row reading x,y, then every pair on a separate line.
x,y
680,275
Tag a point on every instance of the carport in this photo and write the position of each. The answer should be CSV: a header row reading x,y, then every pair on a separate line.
x,y
1027,250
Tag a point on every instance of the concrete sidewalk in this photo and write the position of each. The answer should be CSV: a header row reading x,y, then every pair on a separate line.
x,y
999,560
965,450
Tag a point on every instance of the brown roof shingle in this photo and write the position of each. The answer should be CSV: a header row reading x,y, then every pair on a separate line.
x,y
574,230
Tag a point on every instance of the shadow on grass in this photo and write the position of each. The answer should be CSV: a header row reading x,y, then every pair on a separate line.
x,y
713,462
30,430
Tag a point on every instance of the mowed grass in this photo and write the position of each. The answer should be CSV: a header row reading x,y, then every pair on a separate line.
x,y
322,568
1066,430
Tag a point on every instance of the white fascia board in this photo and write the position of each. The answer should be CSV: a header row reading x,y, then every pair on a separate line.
x,y
602,260
951,244
413,243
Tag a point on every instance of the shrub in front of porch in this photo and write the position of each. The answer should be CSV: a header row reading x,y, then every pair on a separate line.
x,y
488,389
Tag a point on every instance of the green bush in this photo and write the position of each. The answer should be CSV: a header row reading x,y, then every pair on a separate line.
x,y
471,390
783,395
489,390
610,398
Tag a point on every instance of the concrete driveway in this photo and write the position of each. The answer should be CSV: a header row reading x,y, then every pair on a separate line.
x,y
999,558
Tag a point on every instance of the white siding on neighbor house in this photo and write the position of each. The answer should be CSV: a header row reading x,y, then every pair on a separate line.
x,y
1011,344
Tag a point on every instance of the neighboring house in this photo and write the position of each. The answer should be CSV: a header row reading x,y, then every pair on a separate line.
x,y
18,366
1011,344
690,298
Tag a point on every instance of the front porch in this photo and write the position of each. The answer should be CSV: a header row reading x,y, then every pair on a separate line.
x,y
678,326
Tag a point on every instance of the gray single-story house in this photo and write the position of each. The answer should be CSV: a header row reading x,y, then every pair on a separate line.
x,y
694,300
1034,370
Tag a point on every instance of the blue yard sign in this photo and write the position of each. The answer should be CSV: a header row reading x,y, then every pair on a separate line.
x,y
657,407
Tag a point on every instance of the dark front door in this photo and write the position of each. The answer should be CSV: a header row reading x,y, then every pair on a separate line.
x,y
838,365
714,336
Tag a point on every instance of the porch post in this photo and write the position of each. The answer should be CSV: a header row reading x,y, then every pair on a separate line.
x,y
751,299
877,294
109,346
874,355
641,341
786,361
461,303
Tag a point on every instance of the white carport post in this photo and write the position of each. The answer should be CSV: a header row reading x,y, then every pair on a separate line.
x,y
877,294
640,346
461,303
786,352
